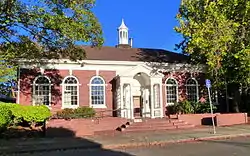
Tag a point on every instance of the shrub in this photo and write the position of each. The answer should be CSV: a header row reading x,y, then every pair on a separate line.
x,y
5,117
81,112
29,114
84,112
186,107
204,108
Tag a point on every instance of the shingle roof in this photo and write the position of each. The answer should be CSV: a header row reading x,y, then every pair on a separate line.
x,y
133,54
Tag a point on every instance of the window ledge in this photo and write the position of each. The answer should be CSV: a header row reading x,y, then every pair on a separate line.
x,y
70,107
99,106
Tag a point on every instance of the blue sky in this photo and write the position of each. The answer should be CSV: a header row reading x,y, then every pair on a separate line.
x,y
151,23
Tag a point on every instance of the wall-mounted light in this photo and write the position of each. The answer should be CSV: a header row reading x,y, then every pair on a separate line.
x,y
139,74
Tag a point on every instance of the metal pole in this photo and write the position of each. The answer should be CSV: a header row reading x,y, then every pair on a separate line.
x,y
211,107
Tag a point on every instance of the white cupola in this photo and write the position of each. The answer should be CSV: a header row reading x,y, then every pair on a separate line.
x,y
123,34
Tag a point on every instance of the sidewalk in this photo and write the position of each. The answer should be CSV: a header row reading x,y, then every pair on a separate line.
x,y
122,140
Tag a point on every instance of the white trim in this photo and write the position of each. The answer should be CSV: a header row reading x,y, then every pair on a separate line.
x,y
63,90
104,94
34,84
196,85
170,85
108,62
18,85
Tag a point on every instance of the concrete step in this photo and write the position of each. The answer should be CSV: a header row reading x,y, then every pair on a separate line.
x,y
156,124
141,129
145,125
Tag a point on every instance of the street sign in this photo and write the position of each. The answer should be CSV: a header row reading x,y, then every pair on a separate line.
x,y
208,83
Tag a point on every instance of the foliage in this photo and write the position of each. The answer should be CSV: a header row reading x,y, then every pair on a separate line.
x,y
217,33
80,112
29,114
187,107
46,29
5,117
184,107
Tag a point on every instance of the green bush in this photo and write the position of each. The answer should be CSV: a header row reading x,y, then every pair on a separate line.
x,y
29,114
184,107
204,108
5,117
187,107
81,112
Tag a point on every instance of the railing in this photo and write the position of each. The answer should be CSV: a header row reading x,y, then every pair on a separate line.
x,y
100,114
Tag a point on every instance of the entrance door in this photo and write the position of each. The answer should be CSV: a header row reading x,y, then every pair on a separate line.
x,y
137,106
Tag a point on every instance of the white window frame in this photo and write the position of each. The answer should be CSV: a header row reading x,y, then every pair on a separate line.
x,y
63,92
156,95
171,85
34,88
193,85
104,93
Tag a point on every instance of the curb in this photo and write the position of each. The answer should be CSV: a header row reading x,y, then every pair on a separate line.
x,y
164,143
128,145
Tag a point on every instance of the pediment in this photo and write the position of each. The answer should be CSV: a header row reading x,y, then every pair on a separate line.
x,y
131,72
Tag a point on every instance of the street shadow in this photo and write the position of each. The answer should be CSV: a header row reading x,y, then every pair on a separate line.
x,y
60,140
234,142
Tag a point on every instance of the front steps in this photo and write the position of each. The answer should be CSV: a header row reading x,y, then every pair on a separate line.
x,y
140,125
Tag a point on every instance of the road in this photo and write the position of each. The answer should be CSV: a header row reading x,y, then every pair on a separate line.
x,y
234,147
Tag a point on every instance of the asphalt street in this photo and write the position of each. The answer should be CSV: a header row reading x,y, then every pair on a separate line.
x,y
233,147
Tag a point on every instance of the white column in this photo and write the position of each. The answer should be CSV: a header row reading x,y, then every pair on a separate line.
x,y
152,99
122,101
161,100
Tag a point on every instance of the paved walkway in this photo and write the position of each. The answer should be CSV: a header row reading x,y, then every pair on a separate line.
x,y
120,141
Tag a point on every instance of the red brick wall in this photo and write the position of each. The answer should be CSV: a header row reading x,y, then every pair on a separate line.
x,y
27,77
231,119
181,78
82,127
220,119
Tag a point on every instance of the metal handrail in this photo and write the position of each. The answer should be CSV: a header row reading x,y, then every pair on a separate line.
x,y
101,116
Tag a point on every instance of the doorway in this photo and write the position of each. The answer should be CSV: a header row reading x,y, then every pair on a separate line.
x,y
137,106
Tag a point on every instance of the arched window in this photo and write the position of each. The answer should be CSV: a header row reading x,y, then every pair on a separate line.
x,y
70,92
192,90
171,91
41,91
97,92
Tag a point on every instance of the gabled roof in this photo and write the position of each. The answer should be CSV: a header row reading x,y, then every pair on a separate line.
x,y
133,54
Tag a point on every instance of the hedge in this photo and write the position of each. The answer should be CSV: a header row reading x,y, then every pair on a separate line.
x,y
29,114
80,112
187,107
5,117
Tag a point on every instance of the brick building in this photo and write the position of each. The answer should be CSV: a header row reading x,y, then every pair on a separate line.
x,y
133,82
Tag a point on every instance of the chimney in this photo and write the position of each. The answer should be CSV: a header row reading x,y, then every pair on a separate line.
x,y
131,42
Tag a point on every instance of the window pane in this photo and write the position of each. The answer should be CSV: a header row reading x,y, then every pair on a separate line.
x,y
192,90
171,90
41,91
97,91
70,94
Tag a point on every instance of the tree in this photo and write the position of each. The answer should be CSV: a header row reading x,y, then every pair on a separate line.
x,y
48,29
217,33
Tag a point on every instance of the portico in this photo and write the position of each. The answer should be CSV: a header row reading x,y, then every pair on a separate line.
x,y
139,93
